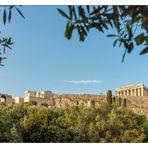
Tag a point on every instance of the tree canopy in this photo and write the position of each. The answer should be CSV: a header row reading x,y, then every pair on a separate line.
x,y
130,23
29,123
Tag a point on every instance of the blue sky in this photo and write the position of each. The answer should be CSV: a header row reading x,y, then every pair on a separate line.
x,y
43,59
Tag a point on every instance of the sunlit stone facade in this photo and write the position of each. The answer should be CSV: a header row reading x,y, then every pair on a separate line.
x,y
133,90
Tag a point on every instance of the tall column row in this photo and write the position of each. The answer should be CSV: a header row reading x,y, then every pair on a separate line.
x,y
132,92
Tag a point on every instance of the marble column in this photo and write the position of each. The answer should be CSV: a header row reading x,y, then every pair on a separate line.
x,y
127,92
131,92
123,92
142,92
138,90
135,92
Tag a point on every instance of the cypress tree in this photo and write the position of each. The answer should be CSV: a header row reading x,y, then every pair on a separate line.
x,y
109,97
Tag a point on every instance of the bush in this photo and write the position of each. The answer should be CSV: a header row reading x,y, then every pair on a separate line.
x,y
24,123
33,103
44,104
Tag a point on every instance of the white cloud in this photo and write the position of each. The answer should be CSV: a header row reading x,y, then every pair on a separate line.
x,y
84,81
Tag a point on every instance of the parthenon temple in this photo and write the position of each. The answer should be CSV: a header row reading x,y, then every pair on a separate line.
x,y
133,90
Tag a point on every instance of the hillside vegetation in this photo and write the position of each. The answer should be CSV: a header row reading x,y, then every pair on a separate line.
x,y
30,123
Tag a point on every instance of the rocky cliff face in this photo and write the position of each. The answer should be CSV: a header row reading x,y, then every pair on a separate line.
x,y
69,100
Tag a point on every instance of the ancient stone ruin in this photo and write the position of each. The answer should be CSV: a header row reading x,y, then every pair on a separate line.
x,y
7,99
127,96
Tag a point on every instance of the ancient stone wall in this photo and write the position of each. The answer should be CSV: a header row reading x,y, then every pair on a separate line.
x,y
66,100
19,100
139,101
38,100
7,99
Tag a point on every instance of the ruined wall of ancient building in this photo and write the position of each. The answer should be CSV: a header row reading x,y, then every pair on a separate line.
x,y
65,100
8,99
38,100
136,101
18,100
145,92
42,94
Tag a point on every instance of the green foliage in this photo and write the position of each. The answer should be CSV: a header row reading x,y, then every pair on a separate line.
x,y
15,135
44,104
3,103
33,103
145,126
25,123
6,42
127,20
109,97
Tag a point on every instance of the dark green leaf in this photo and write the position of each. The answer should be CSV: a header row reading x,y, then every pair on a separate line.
x,y
97,25
109,21
69,30
123,57
112,35
70,11
145,50
4,50
66,30
86,27
4,16
130,47
96,10
81,34
5,45
19,12
9,16
122,33
125,44
63,13
74,12
81,12
120,43
83,30
115,42
116,22
129,30
88,8
145,24
139,39
9,40
104,25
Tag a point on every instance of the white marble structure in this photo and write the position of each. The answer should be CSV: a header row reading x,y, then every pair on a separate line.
x,y
133,90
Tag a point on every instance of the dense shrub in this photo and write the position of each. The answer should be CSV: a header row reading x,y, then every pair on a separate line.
x,y
26,123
